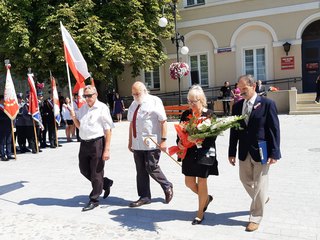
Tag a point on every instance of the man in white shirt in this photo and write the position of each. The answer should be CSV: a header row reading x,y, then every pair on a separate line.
x,y
147,120
95,123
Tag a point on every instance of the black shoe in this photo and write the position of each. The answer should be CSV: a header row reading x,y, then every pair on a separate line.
x,y
27,149
10,157
90,206
169,194
197,221
210,198
140,202
52,146
4,159
107,185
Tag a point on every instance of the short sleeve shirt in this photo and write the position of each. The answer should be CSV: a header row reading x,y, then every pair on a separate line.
x,y
94,121
149,116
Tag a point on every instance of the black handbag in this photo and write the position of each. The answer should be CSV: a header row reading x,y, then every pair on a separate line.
x,y
206,157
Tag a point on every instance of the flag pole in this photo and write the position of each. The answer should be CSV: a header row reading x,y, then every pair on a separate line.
x,y
69,83
35,134
13,141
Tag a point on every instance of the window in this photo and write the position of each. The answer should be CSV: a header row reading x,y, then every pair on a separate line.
x,y
194,2
255,63
199,69
152,79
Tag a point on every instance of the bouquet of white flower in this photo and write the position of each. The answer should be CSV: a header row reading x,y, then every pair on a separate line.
x,y
212,126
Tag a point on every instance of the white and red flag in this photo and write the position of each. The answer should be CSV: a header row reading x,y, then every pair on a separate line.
x,y
55,99
73,57
33,101
11,106
79,88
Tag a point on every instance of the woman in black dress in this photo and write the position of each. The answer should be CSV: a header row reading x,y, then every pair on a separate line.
x,y
201,162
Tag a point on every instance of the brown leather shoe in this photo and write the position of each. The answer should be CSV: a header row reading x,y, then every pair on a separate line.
x,y
252,227
169,194
140,202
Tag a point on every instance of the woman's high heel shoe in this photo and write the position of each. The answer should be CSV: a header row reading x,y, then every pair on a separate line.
x,y
210,198
197,220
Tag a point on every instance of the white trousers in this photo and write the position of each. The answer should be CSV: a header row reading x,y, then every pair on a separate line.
x,y
254,177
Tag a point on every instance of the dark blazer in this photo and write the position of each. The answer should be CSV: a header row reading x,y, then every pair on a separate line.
x,y
263,125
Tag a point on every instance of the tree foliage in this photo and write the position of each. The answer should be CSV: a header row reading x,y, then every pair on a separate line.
x,y
109,34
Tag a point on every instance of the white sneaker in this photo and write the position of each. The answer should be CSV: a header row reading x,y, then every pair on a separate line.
x,y
317,102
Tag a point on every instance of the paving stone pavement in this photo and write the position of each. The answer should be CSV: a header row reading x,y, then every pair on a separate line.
x,y
41,195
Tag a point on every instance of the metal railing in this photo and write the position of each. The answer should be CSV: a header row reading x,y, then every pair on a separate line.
x,y
212,93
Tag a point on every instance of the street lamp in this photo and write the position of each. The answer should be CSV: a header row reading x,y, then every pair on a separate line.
x,y
176,39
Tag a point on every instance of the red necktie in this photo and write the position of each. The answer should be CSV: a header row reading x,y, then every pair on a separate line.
x,y
134,120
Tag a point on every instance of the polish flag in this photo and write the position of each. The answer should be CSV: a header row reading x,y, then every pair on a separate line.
x,y
73,56
33,101
79,88
11,106
56,103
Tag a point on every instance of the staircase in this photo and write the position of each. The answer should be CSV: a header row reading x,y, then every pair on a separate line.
x,y
306,105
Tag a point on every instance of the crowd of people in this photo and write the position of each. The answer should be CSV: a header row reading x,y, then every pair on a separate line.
x,y
148,120
227,94
29,135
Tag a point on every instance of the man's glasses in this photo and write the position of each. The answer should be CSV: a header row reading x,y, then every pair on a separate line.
x,y
88,95
193,101
136,94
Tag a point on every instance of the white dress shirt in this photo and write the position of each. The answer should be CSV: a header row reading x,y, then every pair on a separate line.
x,y
249,103
149,116
94,121
66,112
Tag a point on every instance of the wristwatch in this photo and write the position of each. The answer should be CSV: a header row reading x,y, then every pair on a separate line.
x,y
163,139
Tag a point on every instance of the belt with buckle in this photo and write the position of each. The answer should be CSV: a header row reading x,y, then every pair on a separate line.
x,y
92,140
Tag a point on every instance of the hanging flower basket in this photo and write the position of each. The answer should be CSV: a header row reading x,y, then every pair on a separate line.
x,y
40,86
178,70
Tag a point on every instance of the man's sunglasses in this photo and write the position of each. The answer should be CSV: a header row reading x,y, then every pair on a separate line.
x,y
88,95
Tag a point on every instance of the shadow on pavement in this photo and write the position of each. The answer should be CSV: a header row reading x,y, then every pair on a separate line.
x,y
11,187
146,219
77,201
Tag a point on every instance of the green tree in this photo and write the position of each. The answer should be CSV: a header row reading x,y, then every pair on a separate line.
x,y
109,34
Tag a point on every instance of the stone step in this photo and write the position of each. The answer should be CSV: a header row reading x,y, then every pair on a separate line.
x,y
303,108
304,112
306,97
306,102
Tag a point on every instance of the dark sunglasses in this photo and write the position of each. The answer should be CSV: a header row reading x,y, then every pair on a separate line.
x,y
87,95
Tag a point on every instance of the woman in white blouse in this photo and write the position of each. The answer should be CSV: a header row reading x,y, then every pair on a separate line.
x,y
67,118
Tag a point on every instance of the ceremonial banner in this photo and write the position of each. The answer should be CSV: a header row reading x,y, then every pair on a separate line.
x,y
33,101
55,99
11,106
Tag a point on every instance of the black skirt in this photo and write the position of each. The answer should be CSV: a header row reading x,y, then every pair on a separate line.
x,y
192,167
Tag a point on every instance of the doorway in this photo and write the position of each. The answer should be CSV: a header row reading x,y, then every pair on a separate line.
x,y
310,56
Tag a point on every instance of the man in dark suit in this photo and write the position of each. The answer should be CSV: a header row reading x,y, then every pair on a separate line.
x,y
261,124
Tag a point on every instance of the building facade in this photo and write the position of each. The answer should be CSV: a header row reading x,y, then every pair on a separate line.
x,y
228,38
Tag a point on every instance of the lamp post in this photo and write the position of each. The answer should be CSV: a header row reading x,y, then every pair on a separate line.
x,y
176,39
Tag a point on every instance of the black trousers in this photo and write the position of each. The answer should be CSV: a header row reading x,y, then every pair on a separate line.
x,y
6,142
226,107
147,164
92,166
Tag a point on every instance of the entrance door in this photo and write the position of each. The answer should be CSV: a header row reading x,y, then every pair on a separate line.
x,y
310,64
310,56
